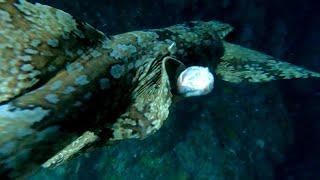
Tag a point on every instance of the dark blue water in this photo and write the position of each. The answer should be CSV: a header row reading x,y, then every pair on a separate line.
x,y
289,30
285,29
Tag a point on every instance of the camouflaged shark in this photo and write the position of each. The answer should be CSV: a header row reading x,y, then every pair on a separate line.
x,y
65,86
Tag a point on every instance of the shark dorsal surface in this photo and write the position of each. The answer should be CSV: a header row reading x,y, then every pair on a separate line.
x,y
53,67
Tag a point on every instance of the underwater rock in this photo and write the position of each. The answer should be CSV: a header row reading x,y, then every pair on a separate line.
x,y
216,137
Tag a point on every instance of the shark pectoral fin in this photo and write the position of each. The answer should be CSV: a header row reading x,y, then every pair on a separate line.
x,y
35,42
240,64
151,100
85,140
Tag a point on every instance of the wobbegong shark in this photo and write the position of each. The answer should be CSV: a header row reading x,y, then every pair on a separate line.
x,y
66,87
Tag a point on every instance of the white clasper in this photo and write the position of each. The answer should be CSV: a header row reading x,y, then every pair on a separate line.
x,y
195,81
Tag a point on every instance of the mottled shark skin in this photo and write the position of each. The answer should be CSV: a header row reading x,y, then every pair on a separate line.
x,y
239,64
65,86
36,42
127,72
